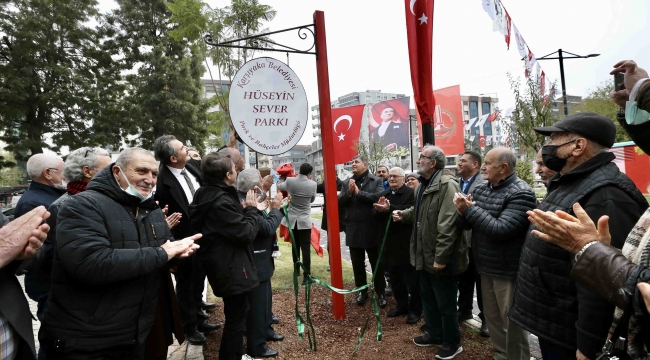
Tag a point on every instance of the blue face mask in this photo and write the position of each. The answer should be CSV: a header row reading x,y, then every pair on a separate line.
x,y
132,190
634,115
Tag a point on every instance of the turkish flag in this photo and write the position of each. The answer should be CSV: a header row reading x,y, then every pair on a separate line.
x,y
481,141
419,32
347,126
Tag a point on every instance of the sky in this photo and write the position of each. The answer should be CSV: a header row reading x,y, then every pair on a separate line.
x,y
367,46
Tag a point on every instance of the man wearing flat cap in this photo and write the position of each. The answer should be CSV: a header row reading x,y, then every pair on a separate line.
x,y
570,321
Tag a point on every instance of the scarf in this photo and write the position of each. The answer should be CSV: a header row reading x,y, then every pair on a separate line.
x,y
76,187
358,180
637,250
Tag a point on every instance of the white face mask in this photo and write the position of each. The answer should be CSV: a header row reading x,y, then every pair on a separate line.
x,y
634,115
132,190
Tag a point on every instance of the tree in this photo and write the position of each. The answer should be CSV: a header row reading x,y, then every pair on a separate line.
x,y
524,170
532,109
600,102
10,174
55,79
195,19
165,94
376,154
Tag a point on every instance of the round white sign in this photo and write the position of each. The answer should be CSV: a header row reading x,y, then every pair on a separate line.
x,y
268,106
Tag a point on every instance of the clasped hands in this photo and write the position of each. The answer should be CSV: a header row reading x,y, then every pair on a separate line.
x,y
463,202
383,205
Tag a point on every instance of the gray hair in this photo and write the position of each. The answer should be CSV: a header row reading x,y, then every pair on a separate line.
x,y
163,150
361,158
39,162
248,179
80,158
436,154
398,169
506,156
126,156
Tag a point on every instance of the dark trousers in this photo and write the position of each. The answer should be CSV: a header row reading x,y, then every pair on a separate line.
x,y
232,340
303,243
466,282
190,279
269,329
131,352
258,320
40,313
358,257
405,281
439,302
551,351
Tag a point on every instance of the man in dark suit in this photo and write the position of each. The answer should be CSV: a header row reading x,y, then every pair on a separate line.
x,y
361,228
396,256
393,132
178,180
468,171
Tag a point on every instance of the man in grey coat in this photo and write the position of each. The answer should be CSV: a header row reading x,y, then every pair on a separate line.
x,y
362,230
302,190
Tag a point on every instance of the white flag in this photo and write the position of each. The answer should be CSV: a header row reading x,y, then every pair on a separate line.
x,y
469,123
471,138
508,112
519,40
482,120
488,6
500,23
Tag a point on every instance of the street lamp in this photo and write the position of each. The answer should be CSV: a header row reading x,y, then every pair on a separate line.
x,y
561,57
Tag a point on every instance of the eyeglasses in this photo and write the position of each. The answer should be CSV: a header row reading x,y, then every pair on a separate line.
x,y
422,156
394,176
89,151
55,169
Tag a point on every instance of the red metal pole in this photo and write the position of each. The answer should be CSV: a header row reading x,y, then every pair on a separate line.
x,y
331,198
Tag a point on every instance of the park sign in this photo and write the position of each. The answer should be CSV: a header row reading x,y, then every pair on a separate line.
x,y
268,106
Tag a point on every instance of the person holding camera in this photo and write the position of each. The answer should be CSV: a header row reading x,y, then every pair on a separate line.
x,y
569,319
620,277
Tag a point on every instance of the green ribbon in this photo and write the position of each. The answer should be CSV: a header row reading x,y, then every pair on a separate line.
x,y
300,323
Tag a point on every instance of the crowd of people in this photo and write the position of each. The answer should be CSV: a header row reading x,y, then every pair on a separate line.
x,y
98,242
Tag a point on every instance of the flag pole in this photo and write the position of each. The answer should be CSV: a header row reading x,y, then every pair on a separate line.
x,y
327,133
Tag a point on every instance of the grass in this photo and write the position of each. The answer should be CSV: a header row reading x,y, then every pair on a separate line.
x,y
317,216
647,197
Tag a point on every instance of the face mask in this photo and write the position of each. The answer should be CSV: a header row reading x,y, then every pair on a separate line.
x,y
62,186
634,115
132,190
550,158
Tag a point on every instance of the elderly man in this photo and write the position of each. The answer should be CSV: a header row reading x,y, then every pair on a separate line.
x,y
258,322
302,190
20,239
362,233
468,172
113,246
230,227
178,181
570,320
396,257
496,214
438,252
46,173
545,174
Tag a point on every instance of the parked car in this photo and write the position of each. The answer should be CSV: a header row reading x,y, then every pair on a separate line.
x,y
9,212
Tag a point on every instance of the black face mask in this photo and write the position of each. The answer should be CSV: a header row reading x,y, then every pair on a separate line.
x,y
550,158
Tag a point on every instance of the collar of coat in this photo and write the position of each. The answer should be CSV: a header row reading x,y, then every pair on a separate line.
x,y
504,182
588,166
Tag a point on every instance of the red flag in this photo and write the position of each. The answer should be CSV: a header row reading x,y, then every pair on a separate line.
x,y
314,238
419,31
481,141
509,25
494,115
347,125
542,83
449,127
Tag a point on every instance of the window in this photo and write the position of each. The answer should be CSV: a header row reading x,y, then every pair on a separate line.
x,y
486,108
487,128
473,109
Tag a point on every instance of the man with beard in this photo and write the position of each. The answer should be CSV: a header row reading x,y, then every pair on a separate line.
x,y
438,252
382,173
362,233
176,188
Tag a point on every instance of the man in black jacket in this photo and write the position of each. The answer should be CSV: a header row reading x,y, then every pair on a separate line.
x,y
229,228
569,319
258,322
396,255
178,181
113,244
496,214
362,231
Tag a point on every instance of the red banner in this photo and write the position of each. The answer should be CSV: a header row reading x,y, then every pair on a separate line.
x,y
419,32
449,124
347,125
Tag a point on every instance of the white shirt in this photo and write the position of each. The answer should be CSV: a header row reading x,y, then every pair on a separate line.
x,y
383,127
181,180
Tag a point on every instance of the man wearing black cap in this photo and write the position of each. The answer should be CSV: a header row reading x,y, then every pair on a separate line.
x,y
570,321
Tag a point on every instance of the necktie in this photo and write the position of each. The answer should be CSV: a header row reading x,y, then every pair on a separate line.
x,y
189,182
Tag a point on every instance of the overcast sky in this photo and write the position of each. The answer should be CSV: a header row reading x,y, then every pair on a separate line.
x,y
367,47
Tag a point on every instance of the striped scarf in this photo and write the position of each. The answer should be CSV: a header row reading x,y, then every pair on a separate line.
x,y
637,250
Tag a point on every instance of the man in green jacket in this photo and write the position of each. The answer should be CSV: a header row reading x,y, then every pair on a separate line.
x,y
438,252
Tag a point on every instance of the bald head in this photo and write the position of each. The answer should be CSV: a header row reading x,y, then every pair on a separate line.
x,y
499,163
235,156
